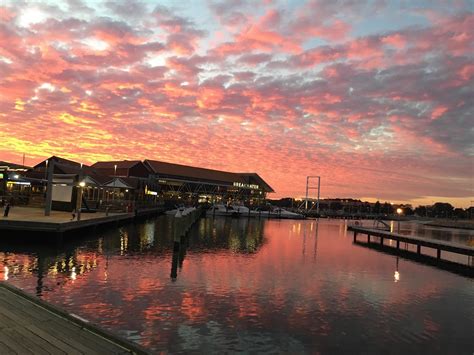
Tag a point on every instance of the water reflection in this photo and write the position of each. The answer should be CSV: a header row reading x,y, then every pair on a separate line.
x,y
249,285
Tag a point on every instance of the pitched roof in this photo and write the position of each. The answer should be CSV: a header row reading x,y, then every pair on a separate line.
x,y
12,166
184,171
121,164
177,170
258,180
57,160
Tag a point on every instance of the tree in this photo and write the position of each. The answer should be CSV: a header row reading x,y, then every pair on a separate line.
x,y
460,213
336,206
387,208
442,210
408,211
376,208
421,211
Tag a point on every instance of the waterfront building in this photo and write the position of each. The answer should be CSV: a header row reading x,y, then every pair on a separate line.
x,y
128,184
12,181
195,184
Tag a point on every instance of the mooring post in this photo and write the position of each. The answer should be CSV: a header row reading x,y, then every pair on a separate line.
x,y
398,244
368,238
439,254
418,249
174,261
381,240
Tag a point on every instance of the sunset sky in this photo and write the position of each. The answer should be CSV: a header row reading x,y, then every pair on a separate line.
x,y
375,97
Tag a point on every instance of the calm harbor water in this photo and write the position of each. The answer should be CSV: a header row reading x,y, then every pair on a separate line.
x,y
253,286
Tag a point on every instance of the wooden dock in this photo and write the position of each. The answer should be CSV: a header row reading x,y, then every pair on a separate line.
x,y
31,326
438,245
23,219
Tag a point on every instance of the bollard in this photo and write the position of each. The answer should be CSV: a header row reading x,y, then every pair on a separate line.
x,y
7,209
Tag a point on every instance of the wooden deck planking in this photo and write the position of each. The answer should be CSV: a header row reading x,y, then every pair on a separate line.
x,y
25,324
24,219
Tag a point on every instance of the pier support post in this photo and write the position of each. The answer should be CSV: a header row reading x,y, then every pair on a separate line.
x,y
355,236
49,189
381,240
175,260
398,244
438,254
368,238
418,249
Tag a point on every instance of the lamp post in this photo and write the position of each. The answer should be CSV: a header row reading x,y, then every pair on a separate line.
x,y
399,212
79,199
46,170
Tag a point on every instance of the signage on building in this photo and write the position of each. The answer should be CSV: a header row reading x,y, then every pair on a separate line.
x,y
246,186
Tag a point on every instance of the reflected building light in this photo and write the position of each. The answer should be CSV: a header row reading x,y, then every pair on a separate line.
x,y
73,273
5,273
396,276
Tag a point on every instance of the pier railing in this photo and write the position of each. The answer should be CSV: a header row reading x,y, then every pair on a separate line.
x,y
438,245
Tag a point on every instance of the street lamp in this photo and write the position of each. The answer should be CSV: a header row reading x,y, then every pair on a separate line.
x,y
82,184
399,212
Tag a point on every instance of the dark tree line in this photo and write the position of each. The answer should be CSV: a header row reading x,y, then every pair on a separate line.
x,y
437,210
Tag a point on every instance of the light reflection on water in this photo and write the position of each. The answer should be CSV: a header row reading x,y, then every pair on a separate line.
x,y
255,286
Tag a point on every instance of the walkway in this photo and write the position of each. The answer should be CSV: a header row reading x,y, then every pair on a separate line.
x,y
30,326
27,219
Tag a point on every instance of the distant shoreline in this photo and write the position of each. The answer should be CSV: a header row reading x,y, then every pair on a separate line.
x,y
464,224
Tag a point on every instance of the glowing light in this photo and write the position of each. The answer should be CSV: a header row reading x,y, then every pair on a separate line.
x,y
399,211
73,273
82,184
396,276
5,273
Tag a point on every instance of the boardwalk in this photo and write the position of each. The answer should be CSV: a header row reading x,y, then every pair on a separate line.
x,y
438,245
29,326
26,219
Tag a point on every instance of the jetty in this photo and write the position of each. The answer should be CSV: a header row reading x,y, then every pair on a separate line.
x,y
28,220
438,245
29,325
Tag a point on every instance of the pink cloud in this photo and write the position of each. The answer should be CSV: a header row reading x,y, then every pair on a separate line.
x,y
392,101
